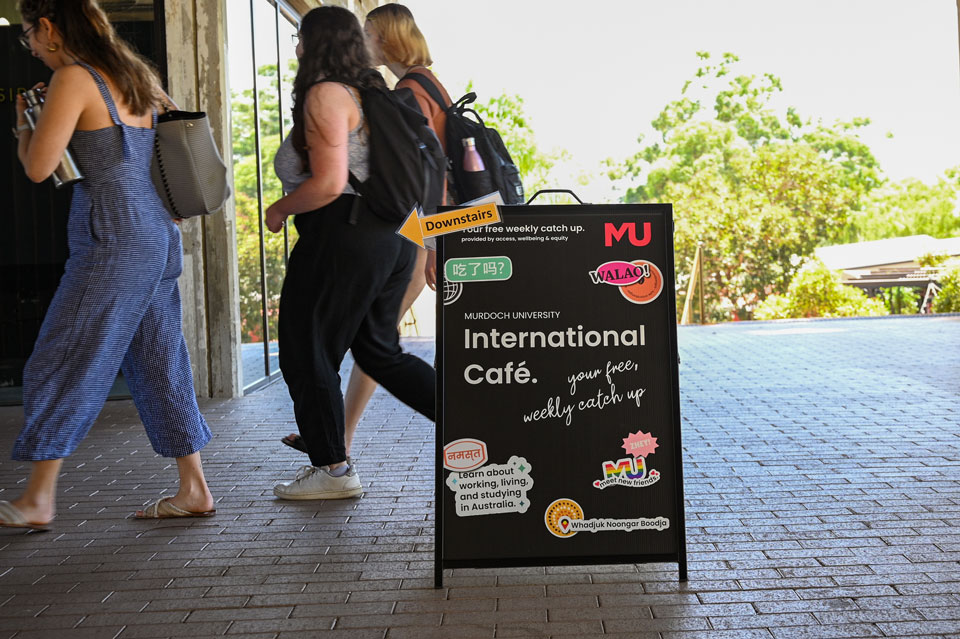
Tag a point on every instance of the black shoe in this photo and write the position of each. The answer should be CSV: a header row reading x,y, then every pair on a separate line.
x,y
294,441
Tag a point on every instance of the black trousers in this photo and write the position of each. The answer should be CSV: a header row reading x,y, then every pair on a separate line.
x,y
343,289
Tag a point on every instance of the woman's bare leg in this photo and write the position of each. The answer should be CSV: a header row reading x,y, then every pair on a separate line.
x,y
38,501
193,494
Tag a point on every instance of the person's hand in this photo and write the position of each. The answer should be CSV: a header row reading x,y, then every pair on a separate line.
x,y
274,219
21,105
430,269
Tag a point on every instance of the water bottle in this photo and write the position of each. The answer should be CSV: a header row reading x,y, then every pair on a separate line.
x,y
476,178
67,171
472,162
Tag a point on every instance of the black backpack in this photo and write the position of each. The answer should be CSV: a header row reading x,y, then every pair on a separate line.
x,y
500,173
407,165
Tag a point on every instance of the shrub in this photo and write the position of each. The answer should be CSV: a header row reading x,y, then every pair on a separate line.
x,y
933,258
816,291
948,299
901,300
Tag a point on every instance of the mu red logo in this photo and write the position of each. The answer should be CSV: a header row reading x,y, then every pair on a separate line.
x,y
614,233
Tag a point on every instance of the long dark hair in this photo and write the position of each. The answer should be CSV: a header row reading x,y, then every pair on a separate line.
x,y
333,47
89,36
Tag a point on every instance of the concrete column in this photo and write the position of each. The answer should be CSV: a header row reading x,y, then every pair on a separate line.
x,y
209,286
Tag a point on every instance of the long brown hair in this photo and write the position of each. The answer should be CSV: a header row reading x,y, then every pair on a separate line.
x,y
89,37
333,47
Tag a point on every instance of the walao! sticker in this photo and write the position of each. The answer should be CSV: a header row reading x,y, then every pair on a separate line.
x,y
631,471
564,518
493,489
639,281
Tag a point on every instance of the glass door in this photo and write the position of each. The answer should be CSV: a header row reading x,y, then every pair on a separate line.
x,y
260,39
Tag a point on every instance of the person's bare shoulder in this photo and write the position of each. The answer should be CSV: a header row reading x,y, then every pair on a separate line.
x,y
329,103
325,94
73,76
75,81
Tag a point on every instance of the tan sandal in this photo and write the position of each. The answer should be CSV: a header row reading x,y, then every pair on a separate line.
x,y
11,517
163,509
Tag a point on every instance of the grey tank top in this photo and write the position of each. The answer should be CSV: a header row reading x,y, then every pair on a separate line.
x,y
289,169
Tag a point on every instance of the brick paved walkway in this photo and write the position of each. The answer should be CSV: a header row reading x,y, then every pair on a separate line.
x,y
822,468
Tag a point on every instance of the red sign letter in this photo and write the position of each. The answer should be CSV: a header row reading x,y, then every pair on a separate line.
x,y
613,234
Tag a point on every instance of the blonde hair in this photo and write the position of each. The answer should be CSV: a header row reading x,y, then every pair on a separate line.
x,y
400,38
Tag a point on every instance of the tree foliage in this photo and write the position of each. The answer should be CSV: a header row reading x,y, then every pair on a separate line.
x,y
816,291
759,188
948,299
245,175
933,258
901,300
910,207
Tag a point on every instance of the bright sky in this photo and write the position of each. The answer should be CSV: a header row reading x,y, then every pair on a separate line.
x,y
593,75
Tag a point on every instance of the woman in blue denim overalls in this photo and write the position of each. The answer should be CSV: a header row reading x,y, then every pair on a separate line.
x,y
118,304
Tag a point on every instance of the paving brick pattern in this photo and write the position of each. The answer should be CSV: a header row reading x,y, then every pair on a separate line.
x,y
822,479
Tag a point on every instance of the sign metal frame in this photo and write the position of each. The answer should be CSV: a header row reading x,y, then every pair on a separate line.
x,y
677,527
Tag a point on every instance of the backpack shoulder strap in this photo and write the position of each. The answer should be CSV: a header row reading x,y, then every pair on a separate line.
x,y
429,87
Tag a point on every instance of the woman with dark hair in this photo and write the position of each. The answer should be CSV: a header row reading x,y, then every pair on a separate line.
x,y
394,40
117,304
347,274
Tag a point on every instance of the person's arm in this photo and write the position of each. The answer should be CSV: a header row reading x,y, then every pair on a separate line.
x,y
40,151
330,111
430,268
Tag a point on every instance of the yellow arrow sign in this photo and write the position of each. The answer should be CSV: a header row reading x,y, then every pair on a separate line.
x,y
416,228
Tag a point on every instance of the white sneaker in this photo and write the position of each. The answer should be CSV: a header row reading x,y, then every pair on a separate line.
x,y
317,483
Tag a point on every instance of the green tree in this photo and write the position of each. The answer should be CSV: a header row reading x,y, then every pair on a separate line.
x,y
816,291
244,121
901,300
948,299
933,258
760,189
910,207
506,114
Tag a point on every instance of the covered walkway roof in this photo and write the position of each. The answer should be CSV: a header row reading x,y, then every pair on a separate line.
x,y
891,262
